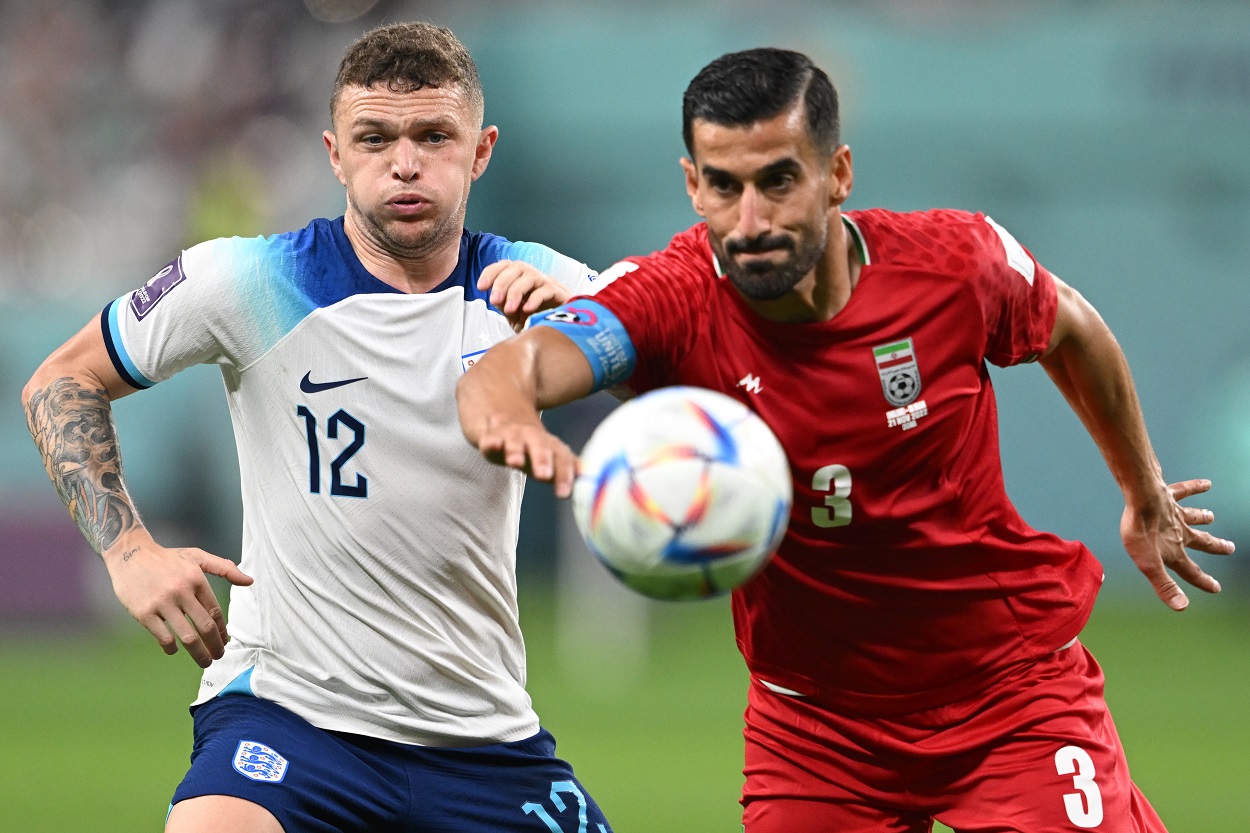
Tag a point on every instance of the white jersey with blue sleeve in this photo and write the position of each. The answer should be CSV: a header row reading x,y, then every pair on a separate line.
x,y
383,546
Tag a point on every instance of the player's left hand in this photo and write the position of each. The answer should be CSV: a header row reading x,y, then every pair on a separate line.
x,y
519,290
1157,538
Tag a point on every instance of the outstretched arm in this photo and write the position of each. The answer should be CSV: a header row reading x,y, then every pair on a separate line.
x,y
68,404
1089,368
500,398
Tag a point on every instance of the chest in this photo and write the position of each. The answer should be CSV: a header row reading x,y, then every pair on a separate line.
x,y
890,399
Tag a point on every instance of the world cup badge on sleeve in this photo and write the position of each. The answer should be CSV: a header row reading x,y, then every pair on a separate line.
x,y
147,296
900,377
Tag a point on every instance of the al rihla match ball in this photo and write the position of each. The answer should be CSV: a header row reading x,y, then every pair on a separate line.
x,y
682,493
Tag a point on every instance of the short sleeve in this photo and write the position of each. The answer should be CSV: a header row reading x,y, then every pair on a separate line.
x,y
1017,296
219,302
163,326
660,300
574,275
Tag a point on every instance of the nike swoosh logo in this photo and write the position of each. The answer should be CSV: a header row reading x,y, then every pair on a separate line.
x,y
309,386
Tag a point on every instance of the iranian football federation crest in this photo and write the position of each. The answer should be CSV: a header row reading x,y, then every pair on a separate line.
x,y
900,377
259,762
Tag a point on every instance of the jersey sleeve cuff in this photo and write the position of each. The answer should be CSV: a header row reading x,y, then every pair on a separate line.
x,y
122,362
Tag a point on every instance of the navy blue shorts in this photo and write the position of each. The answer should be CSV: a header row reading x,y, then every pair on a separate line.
x,y
315,781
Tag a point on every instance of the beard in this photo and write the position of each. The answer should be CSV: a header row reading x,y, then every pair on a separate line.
x,y
763,280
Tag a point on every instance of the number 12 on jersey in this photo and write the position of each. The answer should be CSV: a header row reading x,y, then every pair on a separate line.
x,y
340,418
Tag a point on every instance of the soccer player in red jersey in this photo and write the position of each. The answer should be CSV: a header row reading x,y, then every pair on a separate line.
x,y
913,646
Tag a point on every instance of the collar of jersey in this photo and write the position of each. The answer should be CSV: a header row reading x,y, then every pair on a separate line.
x,y
365,282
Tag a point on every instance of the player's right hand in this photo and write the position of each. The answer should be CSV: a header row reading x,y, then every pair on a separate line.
x,y
532,449
167,591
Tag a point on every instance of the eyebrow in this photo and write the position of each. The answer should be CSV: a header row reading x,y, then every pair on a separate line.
x,y
367,123
787,165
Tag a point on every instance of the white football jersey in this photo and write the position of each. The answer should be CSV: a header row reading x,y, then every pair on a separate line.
x,y
383,545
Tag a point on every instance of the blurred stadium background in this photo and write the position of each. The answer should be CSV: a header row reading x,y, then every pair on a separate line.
x,y
1109,137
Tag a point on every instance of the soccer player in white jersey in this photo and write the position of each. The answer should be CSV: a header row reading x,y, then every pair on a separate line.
x,y
374,675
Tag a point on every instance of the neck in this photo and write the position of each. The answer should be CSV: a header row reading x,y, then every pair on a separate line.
x,y
824,291
413,272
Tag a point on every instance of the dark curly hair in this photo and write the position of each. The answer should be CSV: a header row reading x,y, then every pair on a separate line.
x,y
408,57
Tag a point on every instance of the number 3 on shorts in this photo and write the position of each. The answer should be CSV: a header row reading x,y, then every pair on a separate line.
x,y
1084,807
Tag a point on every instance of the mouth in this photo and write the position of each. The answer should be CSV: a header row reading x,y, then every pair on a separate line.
x,y
761,256
407,204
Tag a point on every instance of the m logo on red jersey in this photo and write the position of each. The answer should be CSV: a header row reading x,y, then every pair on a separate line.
x,y
900,376
750,383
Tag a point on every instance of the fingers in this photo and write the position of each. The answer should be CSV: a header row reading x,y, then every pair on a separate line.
x,y
540,454
519,290
1188,488
1169,590
167,591
209,621
1171,593
160,632
1193,516
490,273
199,631
1196,517
224,568
1208,543
1159,543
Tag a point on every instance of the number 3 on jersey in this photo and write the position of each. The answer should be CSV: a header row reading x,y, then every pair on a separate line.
x,y
836,511
1084,807
360,488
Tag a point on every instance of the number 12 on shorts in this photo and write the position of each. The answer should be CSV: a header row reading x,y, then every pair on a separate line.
x,y
1084,807
558,787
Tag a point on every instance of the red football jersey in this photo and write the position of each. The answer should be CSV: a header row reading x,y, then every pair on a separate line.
x,y
906,579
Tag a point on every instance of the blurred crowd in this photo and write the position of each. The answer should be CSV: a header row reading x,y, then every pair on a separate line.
x,y
133,128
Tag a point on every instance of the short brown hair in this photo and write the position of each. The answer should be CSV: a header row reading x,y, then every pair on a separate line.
x,y
407,57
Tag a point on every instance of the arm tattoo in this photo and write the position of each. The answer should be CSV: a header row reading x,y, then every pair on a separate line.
x,y
72,425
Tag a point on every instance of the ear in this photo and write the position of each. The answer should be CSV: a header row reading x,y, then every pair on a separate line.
x,y
841,175
692,185
336,164
485,146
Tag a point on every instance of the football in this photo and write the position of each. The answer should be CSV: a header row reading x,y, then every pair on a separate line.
x,y
682,493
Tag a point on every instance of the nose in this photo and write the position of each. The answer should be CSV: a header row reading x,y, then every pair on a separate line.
x,y
753,214
406,162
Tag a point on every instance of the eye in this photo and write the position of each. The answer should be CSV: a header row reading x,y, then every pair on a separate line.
x,y
373,140
437,138
779,181
723,186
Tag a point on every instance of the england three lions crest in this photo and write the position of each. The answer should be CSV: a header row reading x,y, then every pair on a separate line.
x,y
900,377
259,762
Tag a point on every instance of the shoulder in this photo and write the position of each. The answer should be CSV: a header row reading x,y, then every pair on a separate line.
x,y
479,249
316,241
485,248
687,257
952,242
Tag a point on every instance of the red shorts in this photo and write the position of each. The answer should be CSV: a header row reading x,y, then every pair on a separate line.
x,y
1036,753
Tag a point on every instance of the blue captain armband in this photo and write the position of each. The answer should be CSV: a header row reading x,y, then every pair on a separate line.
x,y
598,334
